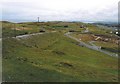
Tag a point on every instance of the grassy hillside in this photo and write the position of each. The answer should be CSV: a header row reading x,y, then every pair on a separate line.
x,y
13,29
54,57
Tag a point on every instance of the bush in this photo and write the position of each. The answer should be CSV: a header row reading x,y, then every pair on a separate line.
x,y
65,64
59,52
26,32
42,31
66,26
71,30
103,48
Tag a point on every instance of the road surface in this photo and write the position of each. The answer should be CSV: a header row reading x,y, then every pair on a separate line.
x,y
27,35
92,46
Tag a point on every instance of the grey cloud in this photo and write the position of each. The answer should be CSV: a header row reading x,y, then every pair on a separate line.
x,y
20,11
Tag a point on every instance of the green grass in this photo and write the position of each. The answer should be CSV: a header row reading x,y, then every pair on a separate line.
x,y
111,47
54,57
9,29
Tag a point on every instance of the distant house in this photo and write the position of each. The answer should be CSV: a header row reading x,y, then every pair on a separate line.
x,y
116,32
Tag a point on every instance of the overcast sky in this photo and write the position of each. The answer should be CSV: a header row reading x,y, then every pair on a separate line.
x,y
60,10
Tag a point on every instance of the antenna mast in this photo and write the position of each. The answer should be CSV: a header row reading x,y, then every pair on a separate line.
x,y
38,19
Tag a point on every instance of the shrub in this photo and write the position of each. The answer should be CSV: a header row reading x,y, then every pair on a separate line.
x,y
26,32
59,52
42,31
103,48
71,30
66,26
65,64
